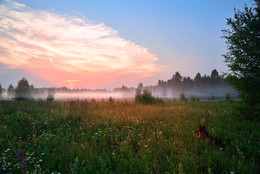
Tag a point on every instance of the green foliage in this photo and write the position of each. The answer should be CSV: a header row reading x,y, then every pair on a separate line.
x,y
182,97
145,97
192,98
125,137
23,91
10,91
50,95
227,97
243,57
212,97
111,100
197,78
1,90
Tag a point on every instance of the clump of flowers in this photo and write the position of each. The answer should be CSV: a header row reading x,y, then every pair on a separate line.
x,y
22,160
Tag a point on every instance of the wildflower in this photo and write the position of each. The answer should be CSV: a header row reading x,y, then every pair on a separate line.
x,y
22,160
24,165
20,154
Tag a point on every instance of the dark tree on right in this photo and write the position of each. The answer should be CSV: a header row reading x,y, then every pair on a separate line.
x,y
243,57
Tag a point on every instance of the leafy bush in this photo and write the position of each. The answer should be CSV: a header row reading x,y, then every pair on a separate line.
x,y
192,98
22,92
182,97
0,90
227,97
212,97
111,100
50,95
145,97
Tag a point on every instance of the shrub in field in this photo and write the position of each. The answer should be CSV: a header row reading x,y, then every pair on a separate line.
x,y
182,97
22,91
192,98
227,97
0,90
145,97
111,100
212,97
10,91
50,96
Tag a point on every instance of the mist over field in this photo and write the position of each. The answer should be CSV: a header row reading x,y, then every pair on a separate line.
x,y
203,93
168,94
79,95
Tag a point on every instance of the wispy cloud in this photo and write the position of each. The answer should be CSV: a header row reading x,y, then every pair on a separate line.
x,y
69,50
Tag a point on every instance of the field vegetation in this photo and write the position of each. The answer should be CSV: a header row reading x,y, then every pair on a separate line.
x,y
89,136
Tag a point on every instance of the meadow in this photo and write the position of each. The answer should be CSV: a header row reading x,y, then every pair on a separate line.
x,y
109,136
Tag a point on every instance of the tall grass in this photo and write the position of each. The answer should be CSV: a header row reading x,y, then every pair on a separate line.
x,y
125,137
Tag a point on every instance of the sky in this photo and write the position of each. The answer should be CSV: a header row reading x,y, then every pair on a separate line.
x,y
110,43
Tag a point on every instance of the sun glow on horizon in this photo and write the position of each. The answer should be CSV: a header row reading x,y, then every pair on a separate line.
x,y
70,51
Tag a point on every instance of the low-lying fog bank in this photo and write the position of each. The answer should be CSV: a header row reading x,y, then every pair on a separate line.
x,y
93,95
78,96
165,94
204,93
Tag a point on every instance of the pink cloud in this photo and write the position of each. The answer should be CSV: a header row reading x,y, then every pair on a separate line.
x,y
70,51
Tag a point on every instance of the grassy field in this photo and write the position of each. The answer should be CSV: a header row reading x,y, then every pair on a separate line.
x,y
125,137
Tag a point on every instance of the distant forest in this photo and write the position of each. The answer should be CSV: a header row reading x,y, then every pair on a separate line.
x,y
201,86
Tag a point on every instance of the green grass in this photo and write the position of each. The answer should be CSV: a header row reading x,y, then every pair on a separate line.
x,y
125,137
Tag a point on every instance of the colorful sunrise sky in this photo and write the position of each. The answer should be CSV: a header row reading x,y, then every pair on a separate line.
x,y
110,43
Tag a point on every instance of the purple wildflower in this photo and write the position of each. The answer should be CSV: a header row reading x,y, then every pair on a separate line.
x,y
24,164
19,155
22,160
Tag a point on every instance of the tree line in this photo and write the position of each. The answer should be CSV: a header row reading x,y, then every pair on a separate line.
x,y
200,86
177,84
25,91
181,82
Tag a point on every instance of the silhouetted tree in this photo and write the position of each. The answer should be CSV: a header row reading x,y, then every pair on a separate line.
x,y
243,56
177,77
10,91
214,77
50,95
140,86
197,78
1,90
124,89
22,91
175,81
205,79
214,74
